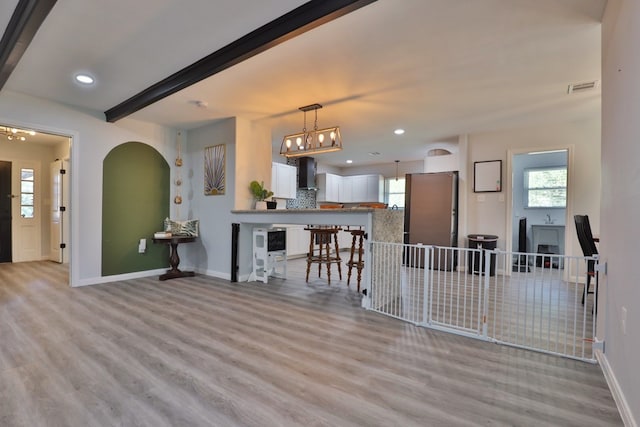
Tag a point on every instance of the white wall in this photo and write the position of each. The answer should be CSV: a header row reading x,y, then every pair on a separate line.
x,y
491,215
93,138
620,211
211,252
248,158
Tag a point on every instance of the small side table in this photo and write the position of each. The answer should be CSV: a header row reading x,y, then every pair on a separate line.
x,y
174,259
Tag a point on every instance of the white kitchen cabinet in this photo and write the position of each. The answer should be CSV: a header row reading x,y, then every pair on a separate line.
x,y
350,189
346,189
362,188
297,241
328,187
283,181
374,188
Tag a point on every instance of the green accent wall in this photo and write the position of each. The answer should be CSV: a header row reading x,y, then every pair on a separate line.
x,y
135,202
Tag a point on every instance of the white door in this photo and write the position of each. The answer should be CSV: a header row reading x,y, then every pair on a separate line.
x,y
57,173
26,211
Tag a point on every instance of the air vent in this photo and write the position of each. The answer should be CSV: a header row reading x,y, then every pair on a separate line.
x,y
581,87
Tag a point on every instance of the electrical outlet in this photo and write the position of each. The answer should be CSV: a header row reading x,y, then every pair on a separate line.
x,y
481,198
142,246
623,320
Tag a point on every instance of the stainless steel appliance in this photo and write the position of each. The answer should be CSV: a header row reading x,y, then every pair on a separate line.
x,y
431,213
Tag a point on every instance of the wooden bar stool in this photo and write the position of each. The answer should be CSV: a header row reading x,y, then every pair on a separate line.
x,y
322,237
357,253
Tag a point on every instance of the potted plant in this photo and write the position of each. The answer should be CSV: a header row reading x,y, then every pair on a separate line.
x,y
261,194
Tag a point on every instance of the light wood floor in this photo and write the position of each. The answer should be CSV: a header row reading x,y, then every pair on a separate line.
x,y
206,352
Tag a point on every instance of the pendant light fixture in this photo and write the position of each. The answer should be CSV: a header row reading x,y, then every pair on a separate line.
x,y
397,162
316,141
15,134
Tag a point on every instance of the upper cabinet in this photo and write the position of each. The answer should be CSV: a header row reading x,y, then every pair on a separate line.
x,y
283,181
350,189
328,187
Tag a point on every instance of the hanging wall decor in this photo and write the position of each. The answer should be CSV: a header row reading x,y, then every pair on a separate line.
x,y
178,181
214,170
487,176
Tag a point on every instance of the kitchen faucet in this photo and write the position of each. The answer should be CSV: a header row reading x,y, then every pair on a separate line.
x,y
549,219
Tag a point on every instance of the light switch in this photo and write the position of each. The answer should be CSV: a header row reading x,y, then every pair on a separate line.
x,y
481,198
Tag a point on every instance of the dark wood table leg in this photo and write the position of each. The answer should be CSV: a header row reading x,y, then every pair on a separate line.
x,y
174,261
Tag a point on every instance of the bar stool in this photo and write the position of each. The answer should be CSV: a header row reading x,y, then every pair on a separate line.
x,y
357,253
322,236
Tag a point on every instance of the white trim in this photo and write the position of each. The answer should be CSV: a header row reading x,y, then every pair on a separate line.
x,y
74,200
118,277
616,391
568,249
211,273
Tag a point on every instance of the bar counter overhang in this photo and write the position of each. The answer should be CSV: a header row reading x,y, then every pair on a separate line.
x,y
379,224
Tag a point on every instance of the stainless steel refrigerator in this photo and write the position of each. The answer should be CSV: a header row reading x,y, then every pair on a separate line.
x,y
431,214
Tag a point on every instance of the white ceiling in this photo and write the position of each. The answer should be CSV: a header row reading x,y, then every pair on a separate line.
x,y
437,68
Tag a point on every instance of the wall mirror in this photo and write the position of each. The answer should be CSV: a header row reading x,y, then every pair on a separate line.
x,y
487,176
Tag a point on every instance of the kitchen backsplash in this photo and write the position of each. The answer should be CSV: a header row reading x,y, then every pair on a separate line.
x,y
305,199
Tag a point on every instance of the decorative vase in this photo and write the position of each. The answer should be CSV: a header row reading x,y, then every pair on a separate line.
x,y
272,204
261,205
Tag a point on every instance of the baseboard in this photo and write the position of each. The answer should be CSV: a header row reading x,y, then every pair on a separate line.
x,y
211,273
118,277
618,395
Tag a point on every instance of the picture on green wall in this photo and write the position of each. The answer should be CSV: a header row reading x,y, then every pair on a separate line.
x,y
214,170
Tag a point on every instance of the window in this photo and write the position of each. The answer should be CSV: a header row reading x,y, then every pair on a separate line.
x,y
394,192
545,187
26,193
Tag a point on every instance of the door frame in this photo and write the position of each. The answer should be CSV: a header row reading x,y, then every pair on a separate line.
x,y
568,242
72,223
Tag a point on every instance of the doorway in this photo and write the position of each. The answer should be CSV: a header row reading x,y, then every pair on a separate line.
x,y
5,211
27,195
539,195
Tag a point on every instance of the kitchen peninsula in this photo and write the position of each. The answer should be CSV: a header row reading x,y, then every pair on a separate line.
x,y
381,225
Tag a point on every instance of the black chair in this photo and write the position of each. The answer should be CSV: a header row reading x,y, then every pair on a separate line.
x,y
588,245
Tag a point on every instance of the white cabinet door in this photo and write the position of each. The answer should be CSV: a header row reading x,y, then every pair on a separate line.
x,y
359,188
274,179
375,188
334,184
297,241
287,181
328,187
346,189
350,189
283,181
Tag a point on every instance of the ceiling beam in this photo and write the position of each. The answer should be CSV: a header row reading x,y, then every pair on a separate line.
x,y
23,26
304,18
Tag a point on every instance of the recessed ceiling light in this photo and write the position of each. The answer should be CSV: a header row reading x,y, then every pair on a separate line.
x,y
398,131
85,79
349,161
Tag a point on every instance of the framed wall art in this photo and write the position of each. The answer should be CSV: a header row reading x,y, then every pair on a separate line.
x,y
214,170
487,176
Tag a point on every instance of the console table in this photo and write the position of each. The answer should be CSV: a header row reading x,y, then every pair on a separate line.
x,y
174,259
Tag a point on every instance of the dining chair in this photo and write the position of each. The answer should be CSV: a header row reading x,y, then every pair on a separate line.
x,y
589,249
